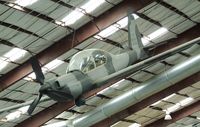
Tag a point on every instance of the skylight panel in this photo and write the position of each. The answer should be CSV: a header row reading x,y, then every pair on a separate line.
x,y
15,6
3,63
108,31
135,125
12,55
157,33
30,77
174,107
25,2
16,114
180,104
75,15
57,124
145,41
118,83
115,124
52,65
157,102
103,91
48,67
168,97
114,28
15,54
61,23
186,101
91,5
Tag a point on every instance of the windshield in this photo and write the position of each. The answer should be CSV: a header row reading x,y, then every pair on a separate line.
x,y
87,60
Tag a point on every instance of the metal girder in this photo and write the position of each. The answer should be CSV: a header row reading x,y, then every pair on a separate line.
x,y
106,19
195,107
41,118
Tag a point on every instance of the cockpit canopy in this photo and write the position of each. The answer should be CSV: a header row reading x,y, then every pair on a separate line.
x,y
87,60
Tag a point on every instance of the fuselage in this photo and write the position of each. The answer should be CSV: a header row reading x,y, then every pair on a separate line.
x,y
84,69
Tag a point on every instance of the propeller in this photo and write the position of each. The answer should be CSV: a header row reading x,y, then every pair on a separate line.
x,y
34,104
40,79
37,69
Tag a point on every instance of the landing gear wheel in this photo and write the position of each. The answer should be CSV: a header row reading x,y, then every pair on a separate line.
x,y
79,101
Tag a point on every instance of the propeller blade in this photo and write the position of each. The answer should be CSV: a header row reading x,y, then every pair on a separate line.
x,y
37,69
34,104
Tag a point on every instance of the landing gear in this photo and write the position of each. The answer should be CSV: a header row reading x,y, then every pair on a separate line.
x,y
79,101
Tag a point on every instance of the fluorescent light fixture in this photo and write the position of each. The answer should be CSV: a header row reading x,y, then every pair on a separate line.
x,y
15,54
57,124
72,17
25,2
186,101
124,22
108,31
16,114
91,5
48,67
135,125
157,33
168,97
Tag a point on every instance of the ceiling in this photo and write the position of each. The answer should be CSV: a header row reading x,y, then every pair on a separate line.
x,y
55,30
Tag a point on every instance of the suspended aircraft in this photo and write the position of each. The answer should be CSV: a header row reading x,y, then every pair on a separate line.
x,y
92,68
86,67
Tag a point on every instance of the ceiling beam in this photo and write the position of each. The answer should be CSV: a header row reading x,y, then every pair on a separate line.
x,y
148,101
182,38
189,110
91,28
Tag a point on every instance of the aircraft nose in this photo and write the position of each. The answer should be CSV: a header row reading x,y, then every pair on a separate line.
x,y
44,88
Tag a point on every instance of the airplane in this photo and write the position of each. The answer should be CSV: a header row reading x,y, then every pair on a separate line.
x,y
86,67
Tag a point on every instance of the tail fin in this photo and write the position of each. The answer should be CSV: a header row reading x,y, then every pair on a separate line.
x,y
134,38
